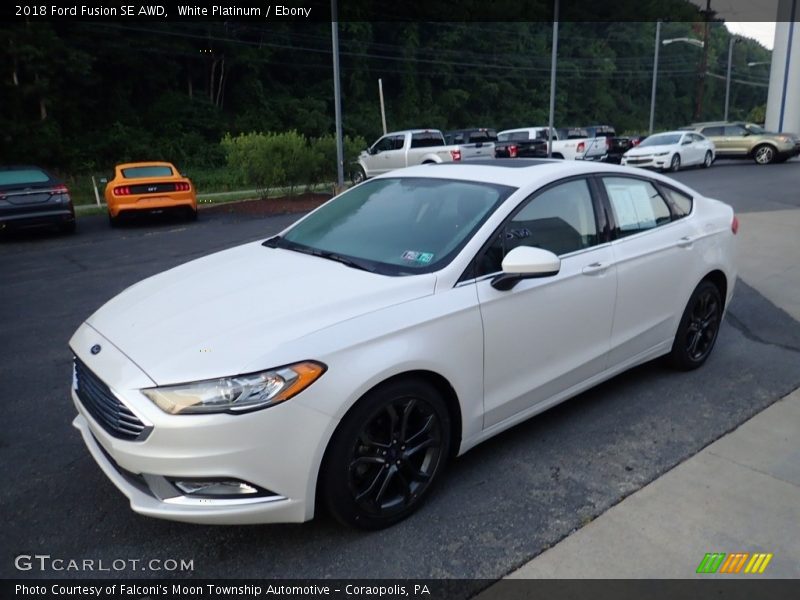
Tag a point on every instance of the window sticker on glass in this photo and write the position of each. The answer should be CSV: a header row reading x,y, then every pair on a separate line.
x,y
632,206
420,257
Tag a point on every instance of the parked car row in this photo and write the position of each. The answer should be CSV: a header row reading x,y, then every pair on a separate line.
x,y
32,197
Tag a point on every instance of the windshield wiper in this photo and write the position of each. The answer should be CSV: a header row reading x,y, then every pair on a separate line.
x,y
342,259
279,242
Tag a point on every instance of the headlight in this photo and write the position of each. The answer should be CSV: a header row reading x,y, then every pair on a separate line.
x,y
785,139
236,394
660,153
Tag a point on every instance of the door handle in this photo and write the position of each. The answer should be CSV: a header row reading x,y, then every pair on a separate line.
x,y
595,268
685,242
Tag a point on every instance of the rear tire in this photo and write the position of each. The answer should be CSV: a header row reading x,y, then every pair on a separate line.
x,y
114,221
191,214
698,329
386,455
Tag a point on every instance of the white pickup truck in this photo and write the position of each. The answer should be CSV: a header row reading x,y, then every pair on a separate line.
x,y
404,149
569,149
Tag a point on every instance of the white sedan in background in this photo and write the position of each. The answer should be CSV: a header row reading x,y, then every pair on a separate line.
x,y
345,361
671,151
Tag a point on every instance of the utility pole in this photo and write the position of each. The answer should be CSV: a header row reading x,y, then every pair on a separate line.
x,y
734,40
553,60
655,78
701,75
383,109
337,98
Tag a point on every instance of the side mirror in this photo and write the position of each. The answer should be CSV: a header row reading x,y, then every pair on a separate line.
x,y
526,262
686,142
371,150
103,180
184,175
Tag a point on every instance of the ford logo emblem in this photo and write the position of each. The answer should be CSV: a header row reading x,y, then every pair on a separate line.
x,y
95,349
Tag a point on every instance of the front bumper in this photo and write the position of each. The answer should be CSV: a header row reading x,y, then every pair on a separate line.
x,y
278,449
650,162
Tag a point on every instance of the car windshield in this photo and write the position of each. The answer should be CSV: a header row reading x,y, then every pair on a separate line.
x,y
21,176
661,140
397,226
142,172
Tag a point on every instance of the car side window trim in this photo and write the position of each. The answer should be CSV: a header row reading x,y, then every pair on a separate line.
x,y
469,272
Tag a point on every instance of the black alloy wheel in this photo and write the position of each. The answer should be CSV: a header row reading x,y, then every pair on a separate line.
x,y
386,455
699,327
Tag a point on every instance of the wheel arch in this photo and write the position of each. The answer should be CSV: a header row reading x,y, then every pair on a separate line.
x,y
719,279
438,381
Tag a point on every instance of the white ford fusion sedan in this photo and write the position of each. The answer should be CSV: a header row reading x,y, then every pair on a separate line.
x,y
343,362
671,151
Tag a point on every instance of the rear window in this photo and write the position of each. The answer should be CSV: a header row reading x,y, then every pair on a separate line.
x,y
142,172
514,136
426,140
20,176
681,203
483,136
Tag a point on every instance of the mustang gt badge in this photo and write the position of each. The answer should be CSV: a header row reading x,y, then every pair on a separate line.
x,y
96,349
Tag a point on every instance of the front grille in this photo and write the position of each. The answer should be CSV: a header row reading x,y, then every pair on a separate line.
x,y
116,418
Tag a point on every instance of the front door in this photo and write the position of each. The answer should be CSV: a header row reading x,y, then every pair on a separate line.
x,y
545,336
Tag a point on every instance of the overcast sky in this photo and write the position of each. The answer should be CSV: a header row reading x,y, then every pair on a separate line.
x,y
762,31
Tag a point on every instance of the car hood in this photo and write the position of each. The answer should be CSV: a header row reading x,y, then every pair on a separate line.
x,y
219,315
648,150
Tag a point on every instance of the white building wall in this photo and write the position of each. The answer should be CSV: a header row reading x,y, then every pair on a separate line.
x,y
783,101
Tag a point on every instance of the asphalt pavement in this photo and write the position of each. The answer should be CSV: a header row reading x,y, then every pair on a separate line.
x,y
498,506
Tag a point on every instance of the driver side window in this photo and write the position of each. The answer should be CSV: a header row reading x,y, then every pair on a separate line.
x,y
561,219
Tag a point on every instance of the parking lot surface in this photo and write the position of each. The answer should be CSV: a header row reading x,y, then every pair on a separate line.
x,y
498,506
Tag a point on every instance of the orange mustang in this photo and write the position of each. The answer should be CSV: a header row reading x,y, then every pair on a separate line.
x,y
149,186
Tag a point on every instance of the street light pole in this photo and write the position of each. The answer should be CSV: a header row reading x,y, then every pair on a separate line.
x,y
728,78
553,82
655,77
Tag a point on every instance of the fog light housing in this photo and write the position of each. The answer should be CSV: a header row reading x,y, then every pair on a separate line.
x,y
218,488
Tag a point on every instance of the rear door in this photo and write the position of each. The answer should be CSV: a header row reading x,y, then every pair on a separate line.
x,y
545,336
654,253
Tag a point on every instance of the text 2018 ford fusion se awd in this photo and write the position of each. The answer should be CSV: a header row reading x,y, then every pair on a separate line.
x,y
344,361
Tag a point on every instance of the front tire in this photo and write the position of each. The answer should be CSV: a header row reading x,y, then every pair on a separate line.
x,y
764,154
675,163
698,328
708,160
386,454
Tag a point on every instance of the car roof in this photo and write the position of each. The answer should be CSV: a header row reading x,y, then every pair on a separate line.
x,y
516,172
674,132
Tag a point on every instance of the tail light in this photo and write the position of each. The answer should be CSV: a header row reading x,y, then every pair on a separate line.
x,y
608,143
60,189
123,190
512,152
581,146
735,225
182,186
456,154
